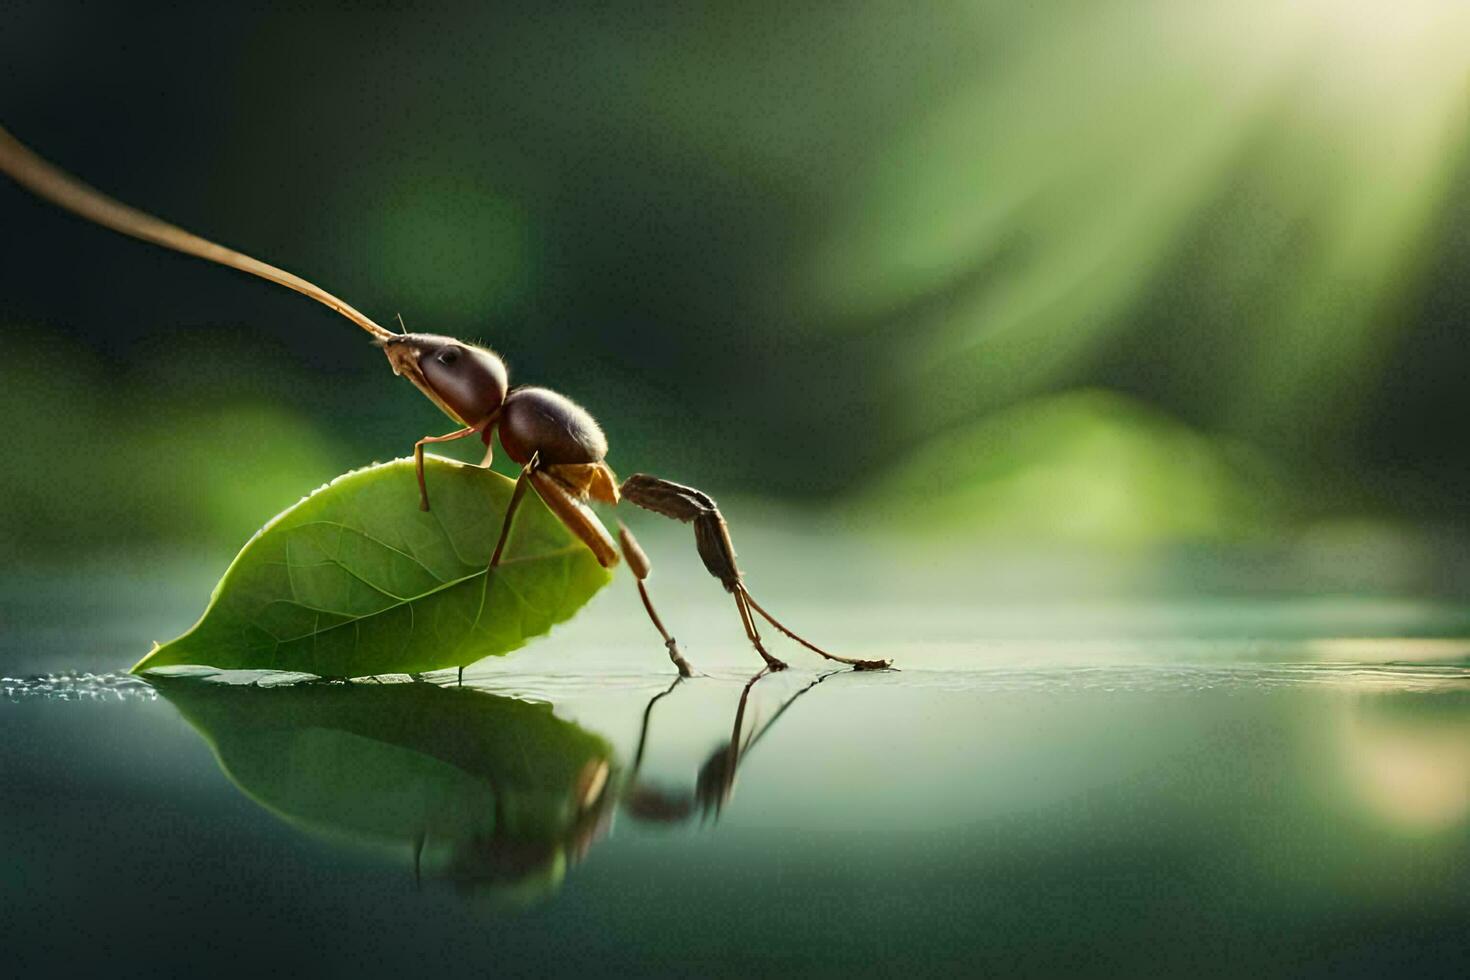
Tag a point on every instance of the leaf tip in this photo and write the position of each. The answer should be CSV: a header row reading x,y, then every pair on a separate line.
x,y
142,665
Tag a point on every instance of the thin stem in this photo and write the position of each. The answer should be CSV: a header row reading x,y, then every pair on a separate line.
x,y
53,184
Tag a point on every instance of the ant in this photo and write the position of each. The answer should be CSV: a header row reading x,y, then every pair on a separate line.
x,y
559,446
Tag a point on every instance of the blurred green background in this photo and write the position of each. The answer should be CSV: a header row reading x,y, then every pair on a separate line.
x,y
1118,274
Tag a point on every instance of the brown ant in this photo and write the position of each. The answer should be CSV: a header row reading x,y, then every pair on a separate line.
x,y
559,446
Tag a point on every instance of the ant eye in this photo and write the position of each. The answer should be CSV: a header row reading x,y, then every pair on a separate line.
x,y
470,381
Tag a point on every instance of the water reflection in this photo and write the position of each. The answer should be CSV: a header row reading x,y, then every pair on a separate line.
x,y
715,779
1407,756
488,792
494,794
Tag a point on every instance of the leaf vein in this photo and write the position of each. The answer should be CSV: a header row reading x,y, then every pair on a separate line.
x,y
322,522
354,618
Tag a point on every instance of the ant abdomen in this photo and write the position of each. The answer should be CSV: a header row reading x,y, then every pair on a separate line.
x,y
535,420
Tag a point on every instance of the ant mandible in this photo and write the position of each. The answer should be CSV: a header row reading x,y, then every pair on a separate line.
x,y
559,446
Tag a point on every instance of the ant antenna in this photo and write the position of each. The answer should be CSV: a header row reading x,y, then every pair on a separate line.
x,y
51,183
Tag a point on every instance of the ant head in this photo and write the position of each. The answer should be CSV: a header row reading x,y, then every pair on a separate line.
x,y
468,382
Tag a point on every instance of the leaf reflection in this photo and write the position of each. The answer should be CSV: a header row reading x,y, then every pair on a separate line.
x,y
493,794
488,792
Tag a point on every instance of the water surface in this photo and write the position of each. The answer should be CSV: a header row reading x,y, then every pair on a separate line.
x,y
1175,786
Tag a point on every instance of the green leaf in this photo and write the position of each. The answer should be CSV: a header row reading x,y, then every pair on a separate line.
x,y
492,790
356,580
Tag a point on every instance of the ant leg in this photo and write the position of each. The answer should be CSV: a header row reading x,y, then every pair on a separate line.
x,y
575,516
510,511
712,538
418,459
638,561
643,730
716,780
752,634
859,664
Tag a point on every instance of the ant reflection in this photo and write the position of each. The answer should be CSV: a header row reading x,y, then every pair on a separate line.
x,y
495,795
715,780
